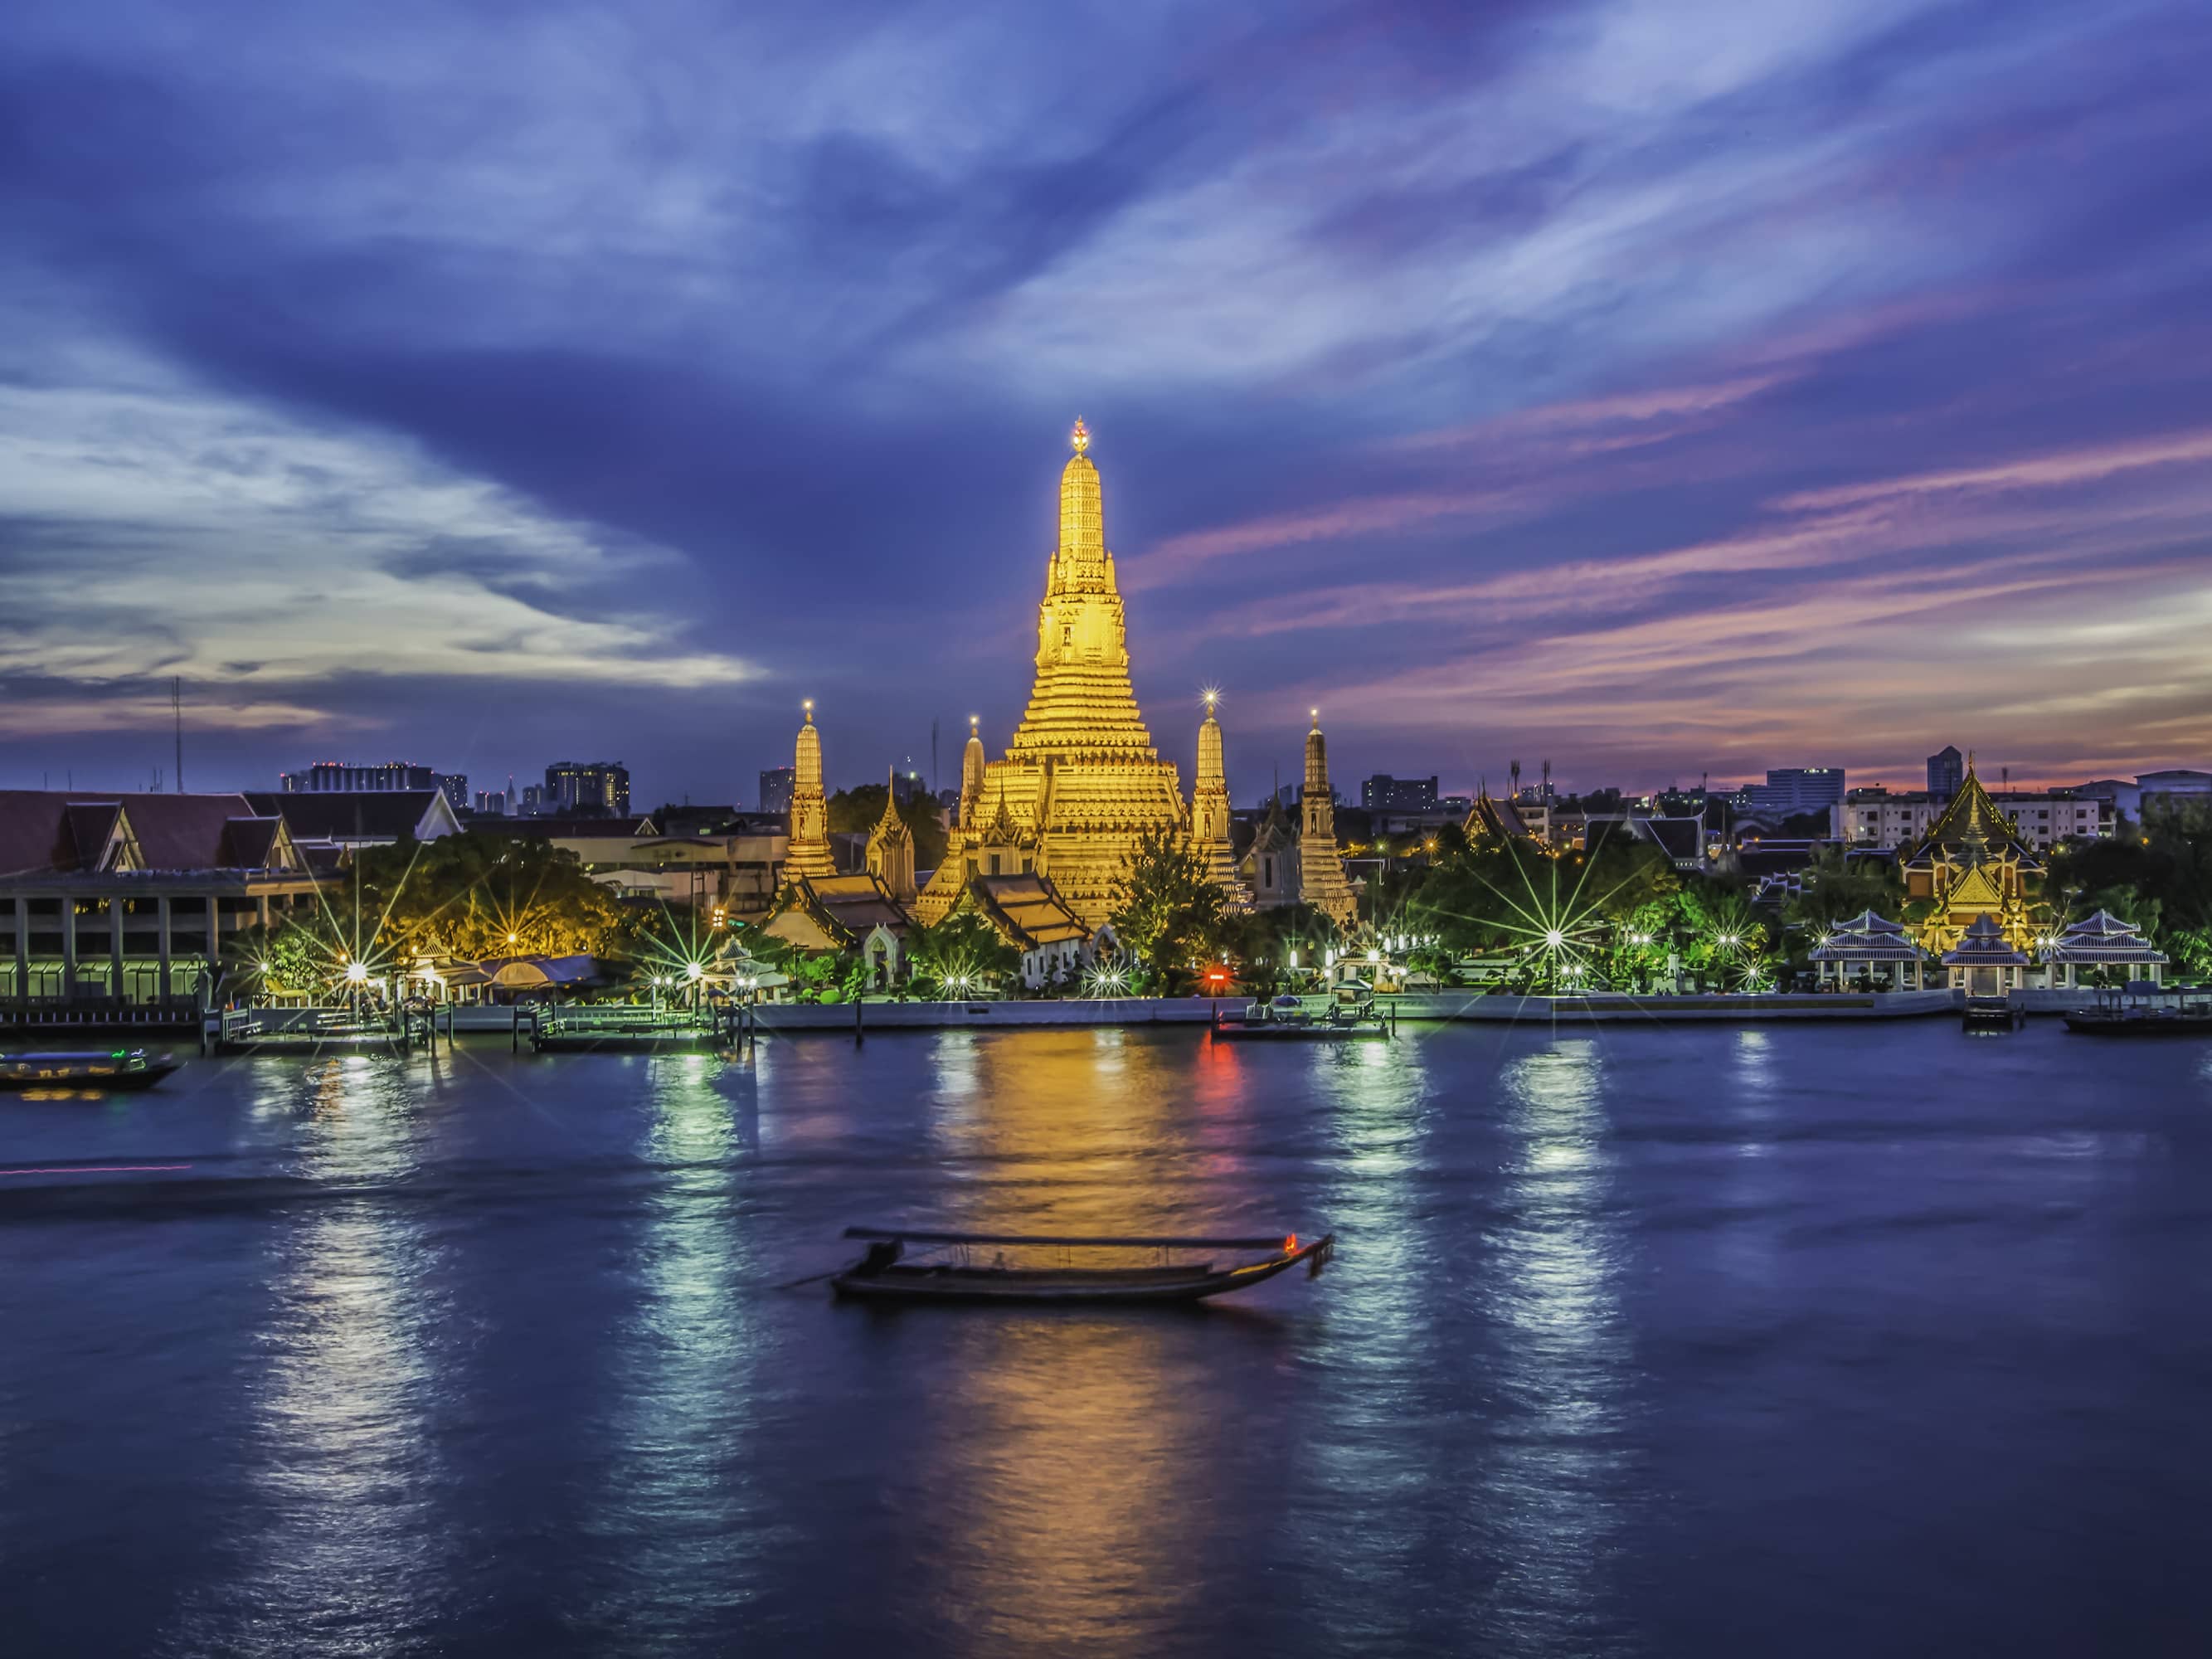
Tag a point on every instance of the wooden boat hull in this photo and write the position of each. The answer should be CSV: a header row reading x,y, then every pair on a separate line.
x,y
1264,1032
23,1071
916,1282
2091,1024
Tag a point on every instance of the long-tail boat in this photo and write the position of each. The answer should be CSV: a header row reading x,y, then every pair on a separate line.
x,y
1051,1267
97,1068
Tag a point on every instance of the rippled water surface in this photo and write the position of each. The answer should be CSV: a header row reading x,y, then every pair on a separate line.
x,y
1836,1341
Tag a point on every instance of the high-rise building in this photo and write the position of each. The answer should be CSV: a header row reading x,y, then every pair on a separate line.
x,y
1791,790
1947,770
1385,793
454,786
776,783
586,788
533,800
341,777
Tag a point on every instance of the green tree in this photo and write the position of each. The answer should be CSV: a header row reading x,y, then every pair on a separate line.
x,y
855,812
1167,910
963,952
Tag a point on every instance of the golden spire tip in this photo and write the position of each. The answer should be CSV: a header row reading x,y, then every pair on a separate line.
x,y
1080,437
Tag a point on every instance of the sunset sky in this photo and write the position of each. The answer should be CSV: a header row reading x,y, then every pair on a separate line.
x,y
1659,388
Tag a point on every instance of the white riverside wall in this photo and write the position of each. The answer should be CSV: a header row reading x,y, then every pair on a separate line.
x,y
1452,1007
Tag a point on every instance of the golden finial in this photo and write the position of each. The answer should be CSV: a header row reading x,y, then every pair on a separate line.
x,y
973,721
807,703
1316,712
1080,437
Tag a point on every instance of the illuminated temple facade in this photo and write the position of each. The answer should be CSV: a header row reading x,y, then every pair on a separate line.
x,y
1970,865
1080,783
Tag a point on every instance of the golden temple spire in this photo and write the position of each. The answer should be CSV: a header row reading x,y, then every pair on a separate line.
x,y
1321,883
807,851
1081,563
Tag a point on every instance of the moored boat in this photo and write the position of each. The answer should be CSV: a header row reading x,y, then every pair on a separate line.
x,y
1046,1267
97,1069
1288,1019
2144,1010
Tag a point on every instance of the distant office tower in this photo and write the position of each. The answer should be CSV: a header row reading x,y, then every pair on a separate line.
x,y
327,777
1791,790
1384,794
586,788
454,786
533,800
776,785
1947,770
491,803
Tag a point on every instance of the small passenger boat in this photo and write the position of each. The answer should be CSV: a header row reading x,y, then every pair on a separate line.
x,y
1288,1019
2150,1012
101,1069
1043,1268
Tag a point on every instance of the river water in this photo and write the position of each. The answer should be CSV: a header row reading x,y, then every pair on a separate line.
x,y
1834,1339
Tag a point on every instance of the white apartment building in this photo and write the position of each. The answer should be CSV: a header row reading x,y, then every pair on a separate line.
x,y
1884,820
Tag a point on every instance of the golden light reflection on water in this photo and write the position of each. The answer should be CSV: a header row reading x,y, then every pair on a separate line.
x,y
1075,1132
1552,1283
349,1549
680,1494
1067,1483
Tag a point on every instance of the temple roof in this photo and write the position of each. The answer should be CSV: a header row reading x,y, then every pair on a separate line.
x,y
2103,938
1868,937
1489,819
1984,945
1971,830
849,907
1028,910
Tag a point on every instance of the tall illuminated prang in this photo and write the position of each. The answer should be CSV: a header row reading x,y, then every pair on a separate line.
x,y
1081,782
1209,812
809,853
1320,868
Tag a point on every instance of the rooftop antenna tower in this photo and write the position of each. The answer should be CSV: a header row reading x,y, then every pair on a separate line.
x,y
1547,781
1516,777
177,709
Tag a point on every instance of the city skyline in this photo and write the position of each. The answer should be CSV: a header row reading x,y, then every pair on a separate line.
x,y
1662,397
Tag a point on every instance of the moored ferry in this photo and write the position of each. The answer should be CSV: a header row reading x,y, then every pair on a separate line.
x,y
91,1068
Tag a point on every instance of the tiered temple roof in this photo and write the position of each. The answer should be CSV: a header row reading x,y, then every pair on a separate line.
x,y
1973,865
1867,938
2103,939
1984,945
1491,820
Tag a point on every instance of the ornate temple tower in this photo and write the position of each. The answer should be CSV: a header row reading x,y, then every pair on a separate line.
x,y
971,777
1080,778
1320,870
1209,812
890,847
809,851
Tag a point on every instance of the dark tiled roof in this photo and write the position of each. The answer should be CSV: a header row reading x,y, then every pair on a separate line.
x,y
1027,910
349,815
851,905
45,831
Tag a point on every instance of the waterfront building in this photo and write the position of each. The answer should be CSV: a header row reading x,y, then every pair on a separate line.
x,y
1209,812
2103,941
1971,865
777,783
1080,783
1321,882
1947,770
1985,963
585,787
345,823
1872,951
1384,794
890,850
844,913
809,853
1029,913
732,874
124,906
